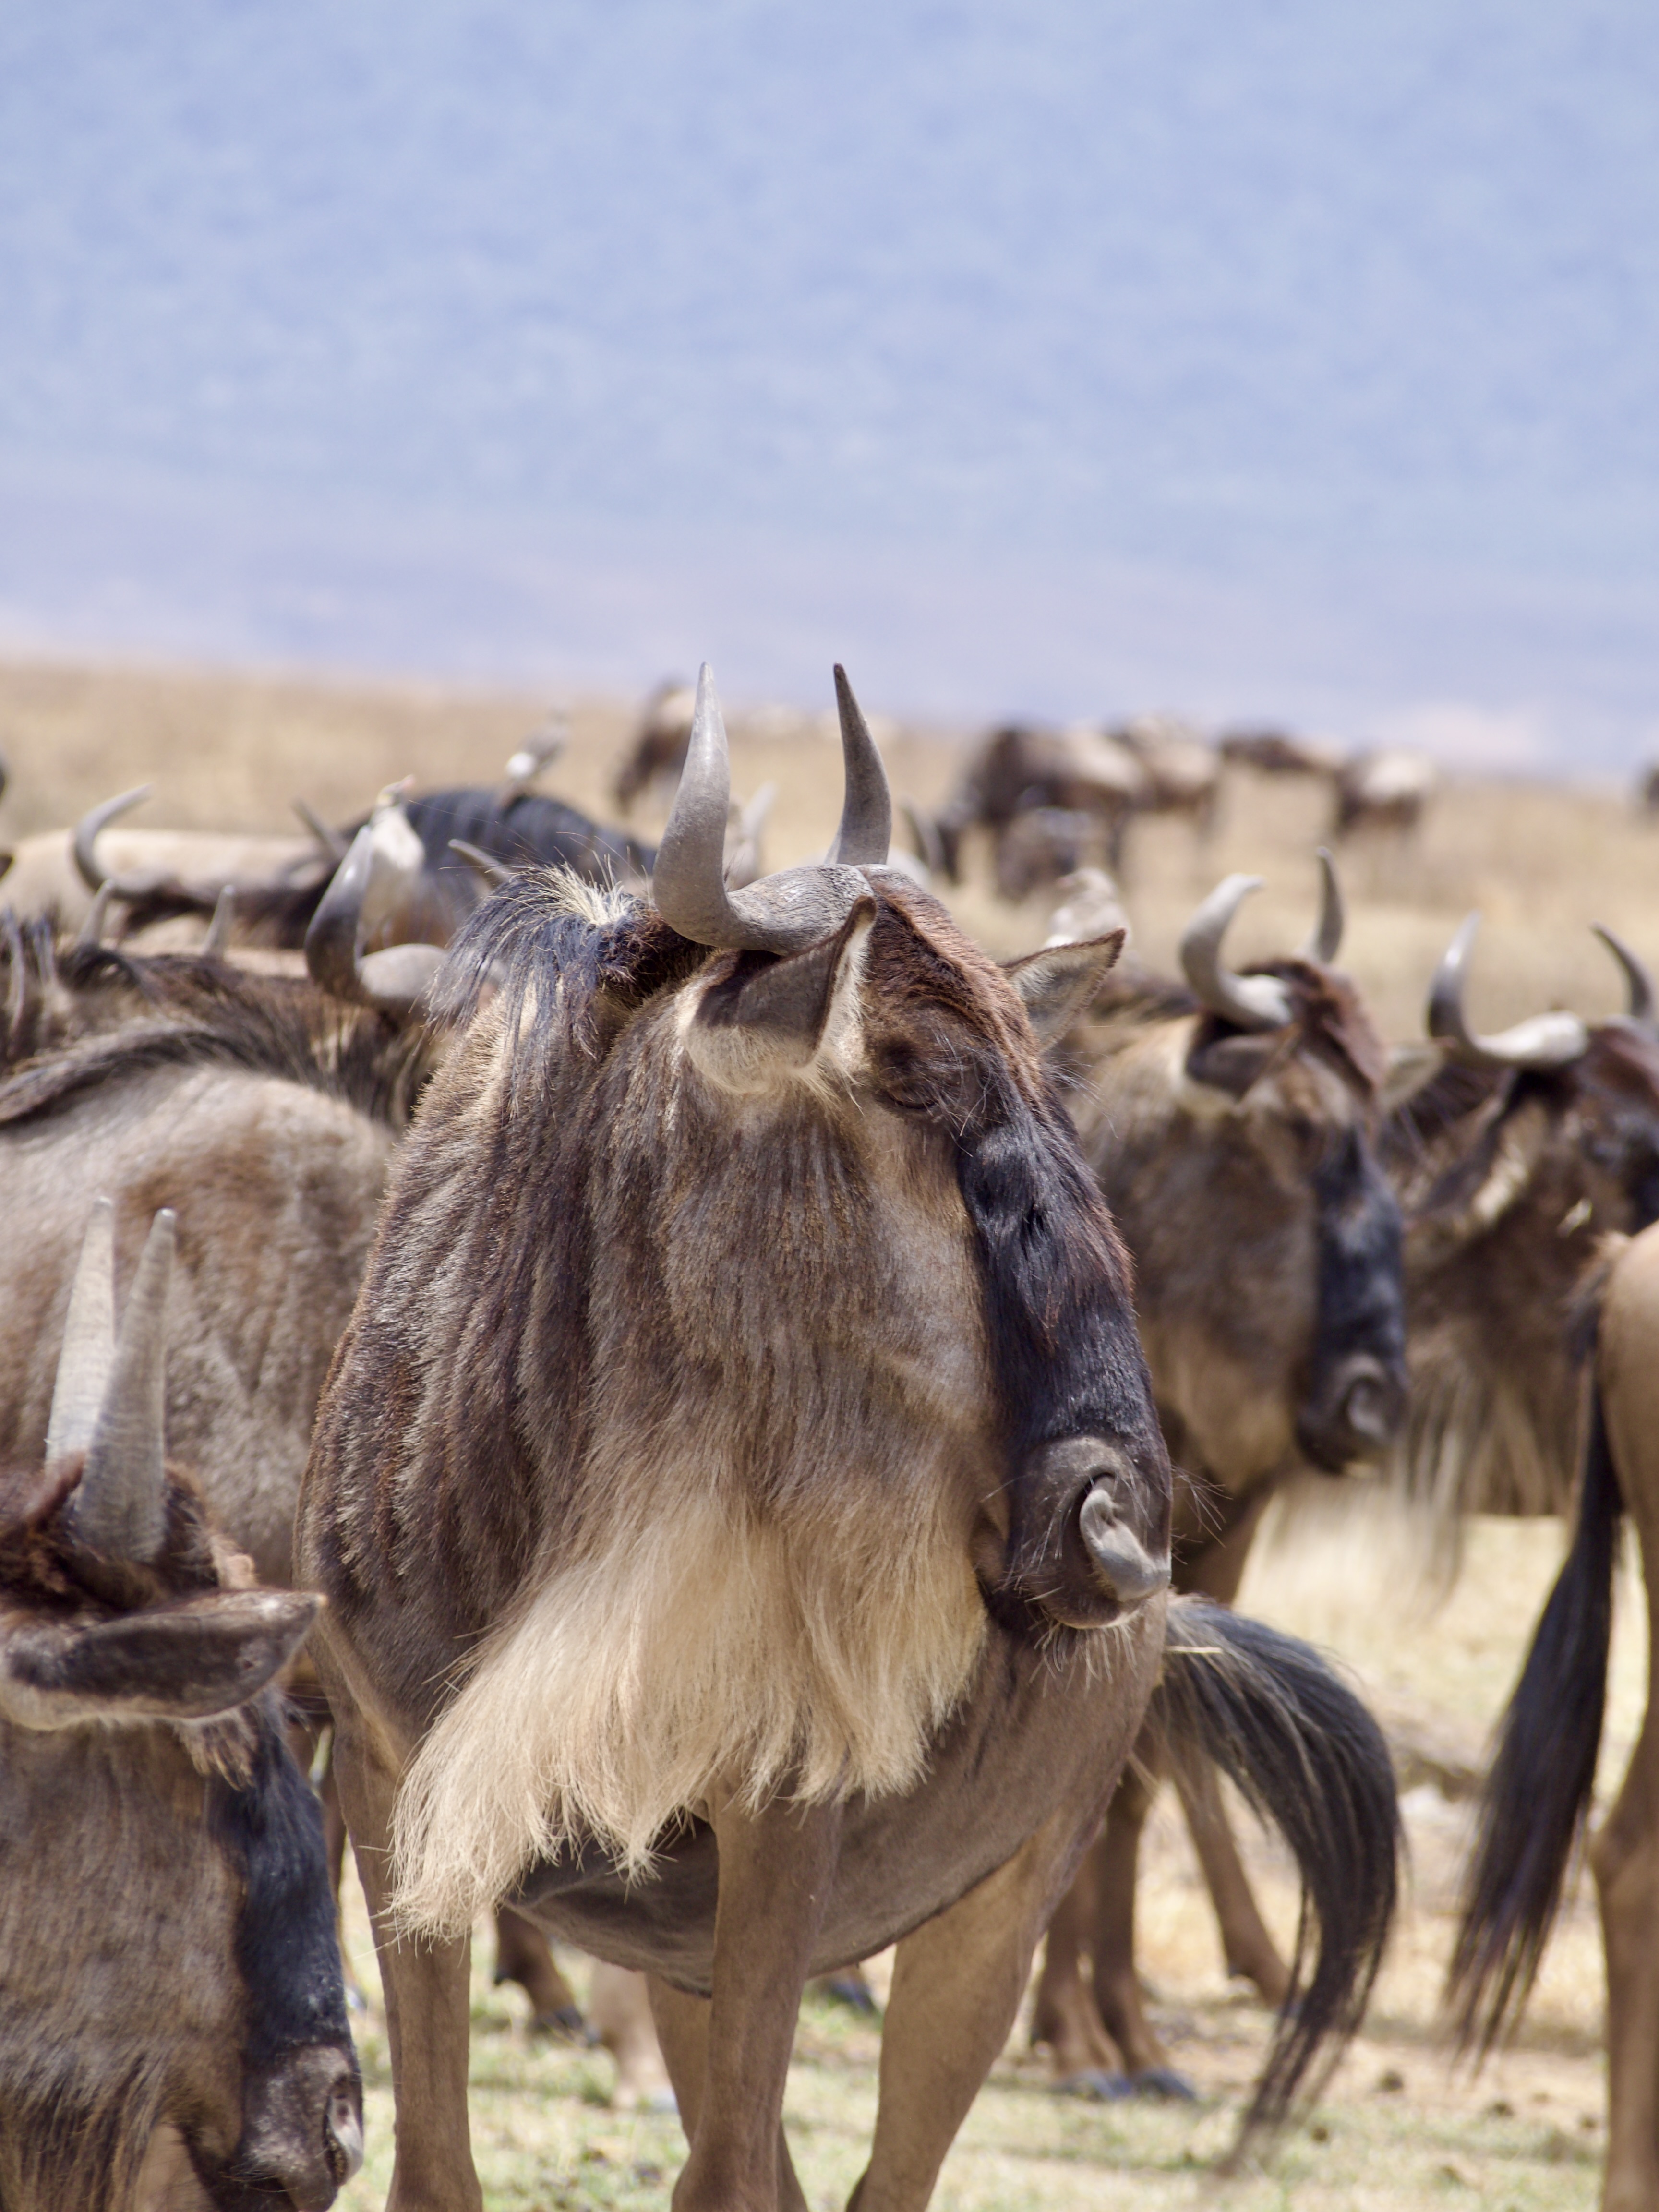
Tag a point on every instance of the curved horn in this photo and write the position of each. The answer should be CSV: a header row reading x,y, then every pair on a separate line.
x,y
88,1356
865,835
1326,940
331,845
92,929
784,913
218,929
1250,1002
120,1508
482,863
87,830
1553,1040
391,980
1638,980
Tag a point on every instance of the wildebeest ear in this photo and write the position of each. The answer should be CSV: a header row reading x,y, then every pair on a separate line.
x,y
771,1016
169,1663
1058,982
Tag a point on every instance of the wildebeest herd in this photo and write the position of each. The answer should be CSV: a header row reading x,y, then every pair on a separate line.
x,y
756,1413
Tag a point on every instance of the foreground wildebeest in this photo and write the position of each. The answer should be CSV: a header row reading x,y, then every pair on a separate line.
x,y
1524,1158
1230,1124
1538,1795
744,1518
173,2021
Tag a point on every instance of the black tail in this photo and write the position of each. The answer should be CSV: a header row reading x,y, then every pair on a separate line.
x,y
1538,1792
1309,1758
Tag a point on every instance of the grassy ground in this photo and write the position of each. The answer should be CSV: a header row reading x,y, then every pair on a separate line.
x,y
1397,2127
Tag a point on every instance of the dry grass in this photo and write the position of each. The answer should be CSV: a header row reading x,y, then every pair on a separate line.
x,y
1542,863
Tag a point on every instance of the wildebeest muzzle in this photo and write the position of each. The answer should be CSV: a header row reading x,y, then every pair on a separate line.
x,y
1091,1544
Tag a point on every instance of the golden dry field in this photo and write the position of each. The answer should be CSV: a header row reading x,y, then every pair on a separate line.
x,y
1397,2128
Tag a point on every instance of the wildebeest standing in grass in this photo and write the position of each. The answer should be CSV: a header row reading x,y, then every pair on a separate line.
x,y
741,1506
1526,1158
172,2014
1231,1125
267,1110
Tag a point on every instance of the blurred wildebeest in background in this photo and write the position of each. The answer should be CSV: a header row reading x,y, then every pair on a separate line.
x,y
1387,789
1276,752
1020,769
1231,1123
171,2011
1182,774
767,1560
658,752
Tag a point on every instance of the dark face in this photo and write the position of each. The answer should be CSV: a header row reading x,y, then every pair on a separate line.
x,y
1089,1490
1356,1389
227,1998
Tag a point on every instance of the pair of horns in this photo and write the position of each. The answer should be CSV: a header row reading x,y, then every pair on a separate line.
x,y
1544,1041
109,1401
385,857
796,906
1253,1002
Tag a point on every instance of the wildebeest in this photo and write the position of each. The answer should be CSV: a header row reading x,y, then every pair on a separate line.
x,y
1386,789
1230,1124
153,873
657,751
741,1505
1538,1793
1182,773
1276,752
1019,769
171,2013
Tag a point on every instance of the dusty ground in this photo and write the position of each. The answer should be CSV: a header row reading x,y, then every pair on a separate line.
x,y
1398,2128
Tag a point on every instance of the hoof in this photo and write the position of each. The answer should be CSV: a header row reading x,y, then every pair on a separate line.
x,y
1164,2081
851,1990
1096,2086
567,2024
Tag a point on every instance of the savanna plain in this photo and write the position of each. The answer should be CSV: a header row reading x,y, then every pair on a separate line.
x,y
1433,1631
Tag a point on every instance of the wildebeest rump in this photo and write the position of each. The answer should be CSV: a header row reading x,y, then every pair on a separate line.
x,y
171,2001
1231,1123
738,1493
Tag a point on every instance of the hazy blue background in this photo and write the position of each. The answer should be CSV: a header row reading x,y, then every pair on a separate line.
x,y
1068,355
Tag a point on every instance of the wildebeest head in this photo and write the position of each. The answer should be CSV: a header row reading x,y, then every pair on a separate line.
x,y
833,1023
1514,1155
172,1995
1231,1126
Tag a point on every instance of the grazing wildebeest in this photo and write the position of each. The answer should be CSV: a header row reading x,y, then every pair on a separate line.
x,y
1182,774
1276,752
1019,769
741,1505
657,751
171,2013
1387,789
1231,1126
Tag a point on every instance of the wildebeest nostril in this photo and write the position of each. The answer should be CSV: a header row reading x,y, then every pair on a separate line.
x,y
1122,1561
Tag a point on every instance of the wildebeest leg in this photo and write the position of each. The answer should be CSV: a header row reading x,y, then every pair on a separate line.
x,y
523,1956
776,1868
427,2016
682,2025
619,2007
1065,2016
1117,1986
1248,1948
958,1982
1250,1951
1625,1857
